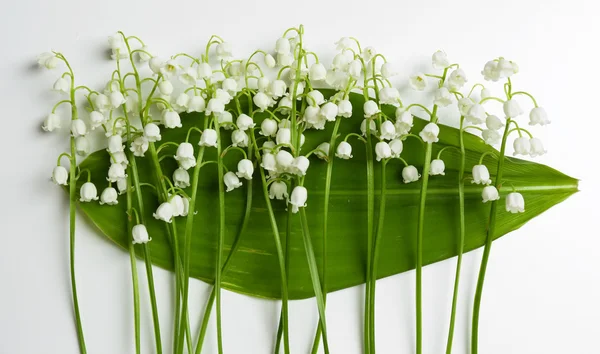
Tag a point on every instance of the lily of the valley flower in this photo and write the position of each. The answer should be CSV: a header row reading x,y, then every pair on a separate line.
x,y
410,174
284,136
239,138
164,212
115,143
204,71
244,122
370,108
404,122
140,234
464,105
269,162
48,60
171,119
181,178
322,150
382,151
208,138
317,72
96,119
282,46
437,167
78,128
512,108
298,198
440,60
152,132
116,171
389,95
284,160
522,146
102,103
270,61
442,97
268,127
178,205
88,192
388,130
396,146
116,99
515,203
372,126
181,102
418,81
231,181
344,150
489,193
60,175
430,133
538,116
245,169
345,108
329,111
476,114
189,76
185,156
457,79
491,137
196,104
51,122
387,70
262,101
109,196
300,165
215,106
82,145
278,190
492,122
61,85
537,148
481,175
278,88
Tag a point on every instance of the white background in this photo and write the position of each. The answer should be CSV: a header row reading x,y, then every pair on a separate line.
x,y
542,288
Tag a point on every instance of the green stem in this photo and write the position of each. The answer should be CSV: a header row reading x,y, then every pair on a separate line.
x,y
221,238
461,238
287,269
487,248
134,275
314,275
331,157
370,221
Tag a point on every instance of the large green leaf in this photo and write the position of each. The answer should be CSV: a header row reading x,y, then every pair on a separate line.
x,y
253,269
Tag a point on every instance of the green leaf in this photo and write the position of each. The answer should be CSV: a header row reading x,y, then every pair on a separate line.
x,y
254,270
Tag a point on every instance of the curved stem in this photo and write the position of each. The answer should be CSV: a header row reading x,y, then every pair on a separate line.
x,y
487,248
221,238
134,275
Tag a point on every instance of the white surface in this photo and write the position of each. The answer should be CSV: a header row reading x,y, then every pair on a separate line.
x,y
542,288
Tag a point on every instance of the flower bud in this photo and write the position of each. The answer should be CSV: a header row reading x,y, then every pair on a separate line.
x,y
185,156
344,150
410,174
245,169
270,61
512,108
60,175
437,167
298,198
382,151
489,193
208,138
515,203
140,234
165,87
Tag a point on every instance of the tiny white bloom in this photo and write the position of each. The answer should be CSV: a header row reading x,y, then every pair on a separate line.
x,y
115,172
139,146
109,196
78,128
485,93
169,69
204,71
96,119
176,202
345,108
164,212
343,43
270,61
196,104
122,185
341,62
404,121
185,156
262,101
269,162
457,79
61,85
181,178
298,198
60,175
268,127
388,130
311,114
317,72
181,102
284,160
278,88
152,132
231,181
165,87
245,169
489,193
539,116
300,165
171,119
512,108
389,95
442,97
418,81
476,114
215,106
88,192
188,76
102,103
410,174
119,158
82,145
387,70
515,203
481,175
396,146
329,111
464,105
382,151
282,46
344,150
156,64
51,122
316,98
537,148
284,136
230,85
115,143
140,234
48,60
208,138
355,68
244,122
370,108
322,151
239,138
439,60
285,59
145,55
490,71
278,190
492,122
430,133
116,99
491,137
368,53
285,123
263,84
522,146
437,167
372,127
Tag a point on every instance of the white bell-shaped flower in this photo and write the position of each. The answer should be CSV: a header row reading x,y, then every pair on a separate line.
x,y
230,85
231,181
88,192
165,87
61,85
164,212
300,165
285,59
225,120
298,198
48,60
418,81
115,172
343,43
382,151
188,76
261,100
170,69
489,193
372,127
185,156
245,169
278,190
370,108
152,132
244,122
322,151
102,103
329,111
208,138
439,60
60,175
442,97
491,137
537,148
311,114
171,119
538,116
522,146
270,61
492,122
355,68
109,196
268,162
215,106
284,136
139,234
176,202
430,133
268,127
204,71
481,175
120,158
396,146
278,88
345,108
476,114
387,70
239,138
78,128
404,122
284,105
96,119
389,95
457,79
344,150
122,185
410,174
181,178
282,46
181,102
437,167
512,108
464,105
316,98
51,122
82,145
317,72
197,104
156,64
515,203
117,99
388,130
115,143
139,146
284,160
